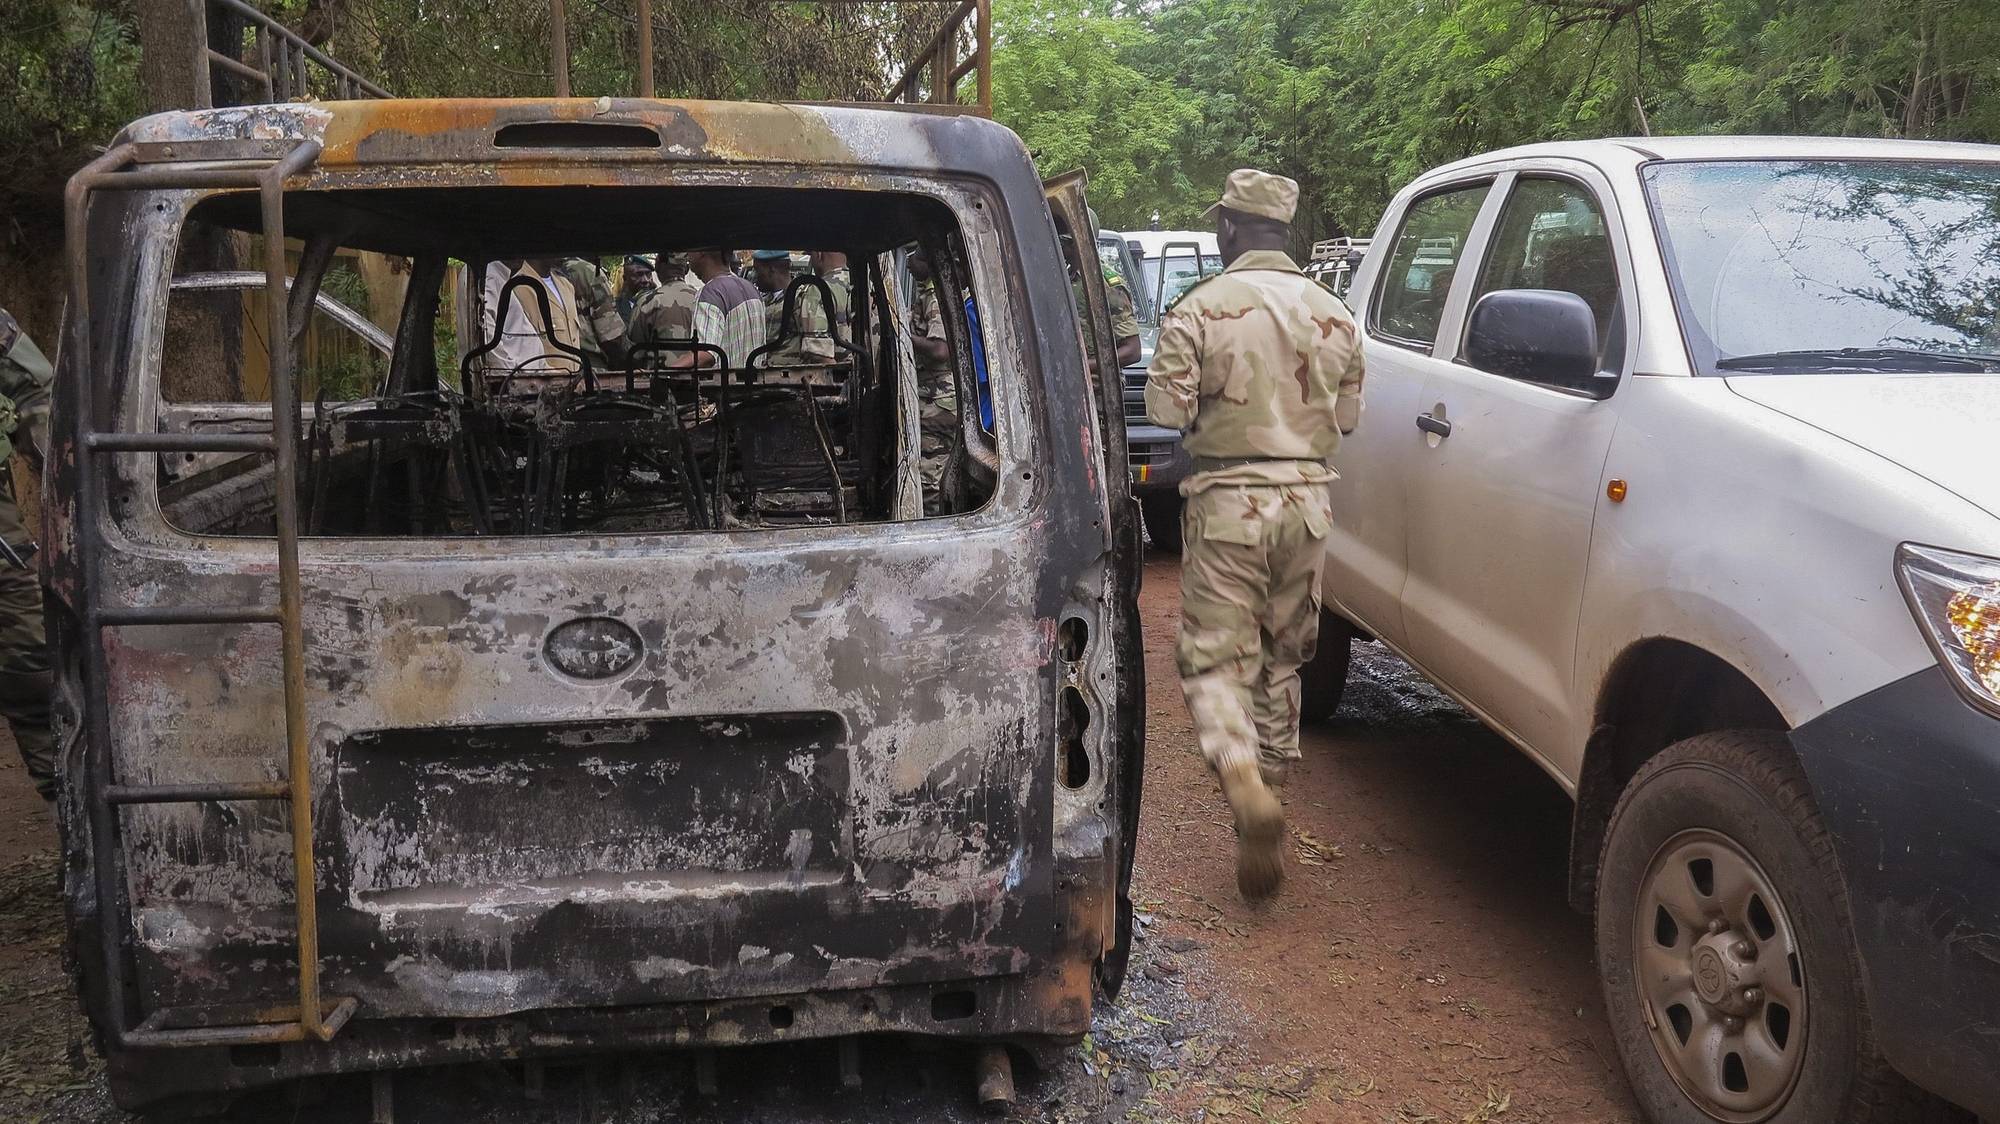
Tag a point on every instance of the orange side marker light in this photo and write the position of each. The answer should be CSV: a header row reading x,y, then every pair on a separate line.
x,y
1616,491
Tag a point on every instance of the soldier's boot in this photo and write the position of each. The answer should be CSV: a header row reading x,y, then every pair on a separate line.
x,y
1274,769
1260,832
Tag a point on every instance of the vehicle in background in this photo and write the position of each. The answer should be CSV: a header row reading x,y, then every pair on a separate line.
x,y
1157,462
1333,262
1169,263
1677,471
448,718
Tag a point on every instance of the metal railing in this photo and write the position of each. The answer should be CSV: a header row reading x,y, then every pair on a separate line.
x,y
934,73
269,60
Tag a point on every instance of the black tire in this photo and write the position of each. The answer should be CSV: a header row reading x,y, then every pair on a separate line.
x,y
1323,679
1162,514
1746,789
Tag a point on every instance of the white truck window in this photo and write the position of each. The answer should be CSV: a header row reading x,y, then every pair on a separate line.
x,y
1423,261
1552,236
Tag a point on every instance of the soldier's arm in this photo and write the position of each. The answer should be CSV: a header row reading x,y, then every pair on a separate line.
x,y
25,375
1124,326
929,340
1347,405
1173,382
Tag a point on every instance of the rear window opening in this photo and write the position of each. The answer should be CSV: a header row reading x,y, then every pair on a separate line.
x,y
476,362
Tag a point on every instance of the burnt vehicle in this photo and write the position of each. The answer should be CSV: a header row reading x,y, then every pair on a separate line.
x,y
452,716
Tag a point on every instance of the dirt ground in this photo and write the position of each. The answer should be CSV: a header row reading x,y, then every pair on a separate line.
x,y
1421,965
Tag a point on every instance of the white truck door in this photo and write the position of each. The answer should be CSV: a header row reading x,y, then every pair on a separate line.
x,y
1403,305
1503,495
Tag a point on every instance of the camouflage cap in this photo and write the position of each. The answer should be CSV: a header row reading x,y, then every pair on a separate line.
x,y
1251,192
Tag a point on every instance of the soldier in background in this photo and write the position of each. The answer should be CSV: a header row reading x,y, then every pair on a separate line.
x,y
1260,369
1124,324
831,265
26,678
600,329
665,311
634,282
808,342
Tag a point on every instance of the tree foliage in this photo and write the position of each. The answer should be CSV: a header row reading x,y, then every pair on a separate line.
x,y
1354,97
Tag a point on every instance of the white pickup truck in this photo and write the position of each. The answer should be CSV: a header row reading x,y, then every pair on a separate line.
x,y
1681,469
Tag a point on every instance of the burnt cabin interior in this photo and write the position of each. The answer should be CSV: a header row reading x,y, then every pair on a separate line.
x,y
428,447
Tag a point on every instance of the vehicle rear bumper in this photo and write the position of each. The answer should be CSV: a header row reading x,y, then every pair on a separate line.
x,y
1908,778
1046,1006
1008,1008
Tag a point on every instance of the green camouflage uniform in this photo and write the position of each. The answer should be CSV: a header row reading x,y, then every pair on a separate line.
x,y
1124,325
809,342
597,318
25,676
665,312
840,282
937,391
1260,369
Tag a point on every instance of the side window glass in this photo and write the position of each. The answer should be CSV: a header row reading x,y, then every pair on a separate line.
x,y
1418,275
1552,236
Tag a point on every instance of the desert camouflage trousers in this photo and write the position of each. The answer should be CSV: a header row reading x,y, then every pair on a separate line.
x,y
25,675
1249,615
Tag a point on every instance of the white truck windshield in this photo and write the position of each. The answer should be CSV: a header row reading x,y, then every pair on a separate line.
x,y
1826,266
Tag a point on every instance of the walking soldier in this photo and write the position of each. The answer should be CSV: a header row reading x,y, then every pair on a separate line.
x,y
1260,368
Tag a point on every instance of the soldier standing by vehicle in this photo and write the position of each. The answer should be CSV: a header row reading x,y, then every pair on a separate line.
x,y
601,330
25,676
1261,369
1124,324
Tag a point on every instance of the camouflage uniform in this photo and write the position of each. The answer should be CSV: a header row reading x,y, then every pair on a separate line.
x,y
598,324
665,312
937,391
1260,369
1124,325
809,342
840,282
25,676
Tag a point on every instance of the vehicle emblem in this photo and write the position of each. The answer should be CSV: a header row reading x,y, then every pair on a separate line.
x,y
1710,978
593,647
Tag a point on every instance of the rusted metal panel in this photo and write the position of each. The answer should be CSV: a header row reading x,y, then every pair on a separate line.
x,y
835,769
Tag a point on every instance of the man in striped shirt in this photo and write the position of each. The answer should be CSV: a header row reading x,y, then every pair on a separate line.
x,y
728,312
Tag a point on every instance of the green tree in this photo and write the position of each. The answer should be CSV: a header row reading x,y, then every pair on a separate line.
x,y
1060,79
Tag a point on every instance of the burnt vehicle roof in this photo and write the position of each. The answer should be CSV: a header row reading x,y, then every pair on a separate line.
x,y
607,144
501,132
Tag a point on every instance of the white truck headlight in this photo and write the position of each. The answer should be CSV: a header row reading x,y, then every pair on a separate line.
x,y
1956,599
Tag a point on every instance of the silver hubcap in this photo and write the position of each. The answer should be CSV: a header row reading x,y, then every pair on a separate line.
x,y
1718,969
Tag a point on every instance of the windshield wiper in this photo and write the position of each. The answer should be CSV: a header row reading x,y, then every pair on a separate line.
x,y
1885,359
